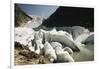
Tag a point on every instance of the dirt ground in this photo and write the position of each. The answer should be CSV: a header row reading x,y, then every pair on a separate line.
x,y
25,57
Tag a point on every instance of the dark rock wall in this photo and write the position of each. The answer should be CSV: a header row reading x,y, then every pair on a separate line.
x,y
71,16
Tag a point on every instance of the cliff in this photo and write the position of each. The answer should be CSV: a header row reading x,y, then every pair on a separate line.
x,y
71,16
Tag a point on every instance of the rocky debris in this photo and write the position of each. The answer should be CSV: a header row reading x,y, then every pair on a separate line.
x,y
29,55
44,60
24,56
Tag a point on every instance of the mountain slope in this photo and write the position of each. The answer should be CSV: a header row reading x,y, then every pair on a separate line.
x,y
20,16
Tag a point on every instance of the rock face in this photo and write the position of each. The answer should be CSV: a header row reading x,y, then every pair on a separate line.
x,y
20,16
71,16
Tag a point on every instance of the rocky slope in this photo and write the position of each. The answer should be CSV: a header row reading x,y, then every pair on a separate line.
x,y
20,16
24,20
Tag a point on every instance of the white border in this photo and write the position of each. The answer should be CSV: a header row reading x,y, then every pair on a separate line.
x,y
58,65
74,3
12,35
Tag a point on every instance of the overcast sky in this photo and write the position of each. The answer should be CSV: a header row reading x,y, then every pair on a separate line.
x,y
39,10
